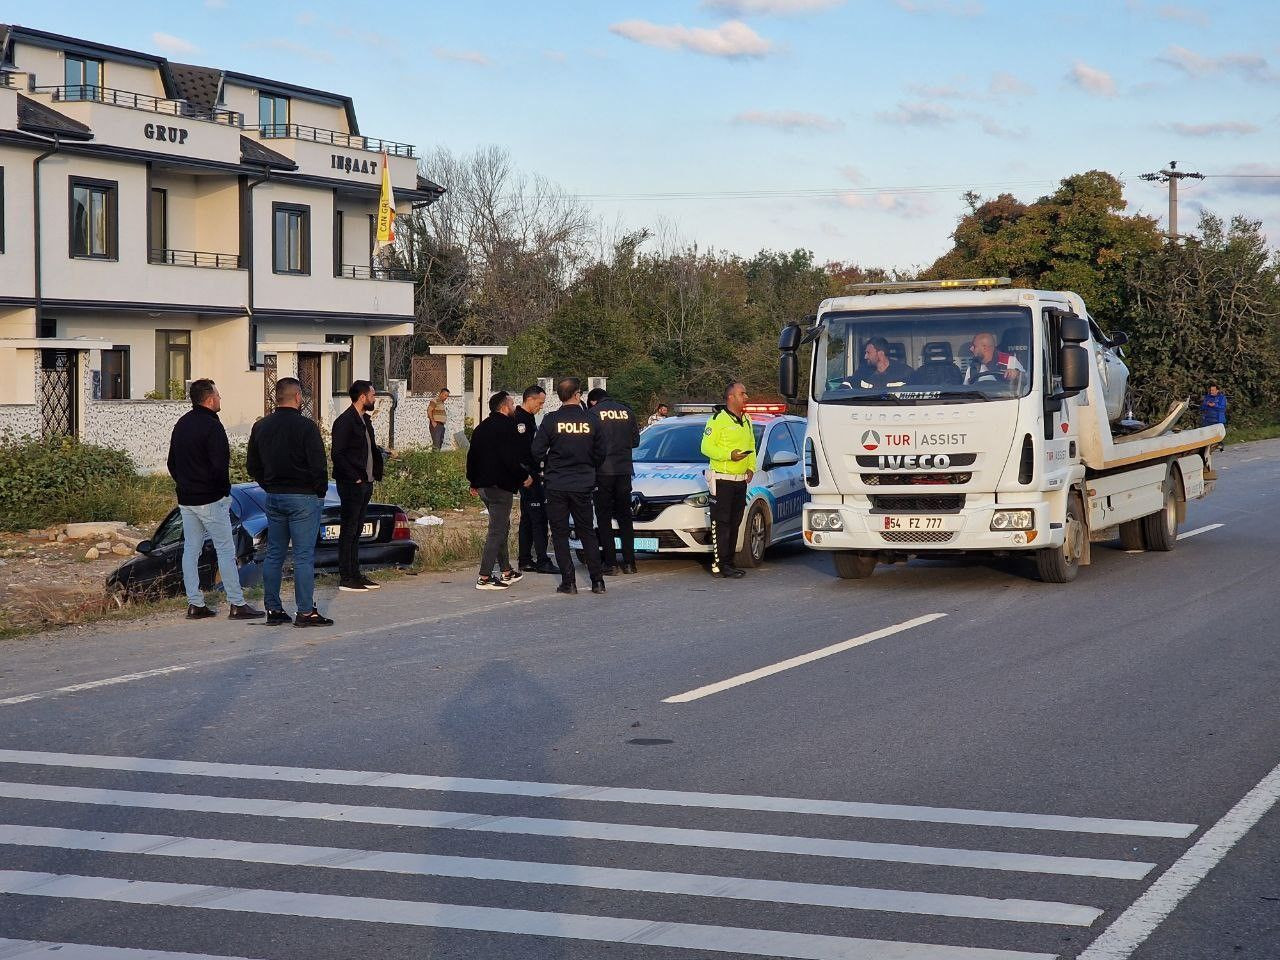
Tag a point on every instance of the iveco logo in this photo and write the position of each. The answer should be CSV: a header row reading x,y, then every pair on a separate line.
x,y
870,440
938,461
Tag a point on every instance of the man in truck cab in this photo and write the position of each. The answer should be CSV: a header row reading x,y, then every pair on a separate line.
x,y
988,363
879,369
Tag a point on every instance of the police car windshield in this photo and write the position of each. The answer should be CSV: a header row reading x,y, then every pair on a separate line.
x,y
925,355
677,440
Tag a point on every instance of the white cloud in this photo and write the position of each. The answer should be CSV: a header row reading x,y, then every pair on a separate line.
x,y
171,44
994,128
1091,79
473,57
1176,13
952,8
790,121
1220,128
732,39
906,206
1251,66
918,114
1007,85
770,8
852,174
1254,179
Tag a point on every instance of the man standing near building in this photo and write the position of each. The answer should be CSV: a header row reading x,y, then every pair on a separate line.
x,y
572,449
617,423
200,462
437,416
357,465
286,457
730,444
495,470
533,496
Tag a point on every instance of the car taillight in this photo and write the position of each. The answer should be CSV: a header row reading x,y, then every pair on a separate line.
x,y
402,528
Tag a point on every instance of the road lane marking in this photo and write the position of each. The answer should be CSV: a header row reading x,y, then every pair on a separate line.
x,y
31,949
573,875
587,830
633,795
1198,530
94,684
801,660
1129,930
690,936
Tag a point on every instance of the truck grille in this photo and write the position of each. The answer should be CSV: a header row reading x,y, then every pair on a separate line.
x,y
918,536
924,503
903,479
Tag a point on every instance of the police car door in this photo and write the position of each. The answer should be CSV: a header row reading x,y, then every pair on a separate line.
x,y
782,477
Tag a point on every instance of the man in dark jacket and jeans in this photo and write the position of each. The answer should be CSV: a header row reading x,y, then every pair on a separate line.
x,y
286,457
199,462
533,497
357,465
495,470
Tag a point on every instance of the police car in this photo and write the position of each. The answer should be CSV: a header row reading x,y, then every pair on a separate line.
x,y
669,498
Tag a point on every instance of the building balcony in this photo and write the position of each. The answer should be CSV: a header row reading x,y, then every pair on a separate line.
x,y
76,93
333,138
359,272
195,258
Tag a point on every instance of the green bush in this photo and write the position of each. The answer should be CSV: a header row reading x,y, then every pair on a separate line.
x,y
425,480
60,479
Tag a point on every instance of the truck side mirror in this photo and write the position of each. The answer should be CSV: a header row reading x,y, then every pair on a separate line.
x,y
1073,328
789,339
1073,360
789,374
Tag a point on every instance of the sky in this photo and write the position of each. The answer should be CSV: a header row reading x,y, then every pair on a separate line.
x,y
850,128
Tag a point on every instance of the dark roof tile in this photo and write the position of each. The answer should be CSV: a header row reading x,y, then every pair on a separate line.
x,y
251,151
197,85
35,117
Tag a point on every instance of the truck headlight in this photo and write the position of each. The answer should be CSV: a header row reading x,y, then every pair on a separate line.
x,y
698,499
825,520
1013,520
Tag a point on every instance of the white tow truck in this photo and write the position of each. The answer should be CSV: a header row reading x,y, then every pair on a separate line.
x,y
961,416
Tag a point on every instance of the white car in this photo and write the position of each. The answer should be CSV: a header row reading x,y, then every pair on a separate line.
x,y
669,499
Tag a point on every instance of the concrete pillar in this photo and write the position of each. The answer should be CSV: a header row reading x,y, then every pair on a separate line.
x,y
455,374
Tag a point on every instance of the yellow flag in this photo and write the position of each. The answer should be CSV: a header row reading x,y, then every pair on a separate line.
x,y
386,211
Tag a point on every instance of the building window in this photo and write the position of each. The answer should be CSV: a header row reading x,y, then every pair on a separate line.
x,y
291,238
158,224
115,374
93,218
173,363
83,78
342,375
337,243
273,115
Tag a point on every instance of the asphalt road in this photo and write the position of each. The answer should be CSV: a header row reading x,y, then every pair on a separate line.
x,y
996,769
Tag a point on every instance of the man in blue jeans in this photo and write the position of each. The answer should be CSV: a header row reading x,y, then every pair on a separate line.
x,y
200,462
286,457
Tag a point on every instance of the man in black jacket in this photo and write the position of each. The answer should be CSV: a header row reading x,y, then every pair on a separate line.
x,y
199,462
572,448
495,470
286,457
357,465
533,496
621,430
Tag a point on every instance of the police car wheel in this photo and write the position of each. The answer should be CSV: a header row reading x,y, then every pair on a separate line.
x,y
755,537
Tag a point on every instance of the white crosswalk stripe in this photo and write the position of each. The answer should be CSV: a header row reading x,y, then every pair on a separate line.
x,y
942,884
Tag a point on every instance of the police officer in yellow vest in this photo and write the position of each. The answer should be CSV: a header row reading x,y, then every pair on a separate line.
x,y
730,444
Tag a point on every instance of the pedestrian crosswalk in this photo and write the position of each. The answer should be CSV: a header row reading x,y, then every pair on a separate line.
x,y
117,839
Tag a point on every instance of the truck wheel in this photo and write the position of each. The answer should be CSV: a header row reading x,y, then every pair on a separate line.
x,y
1062,564
1131,535
852,565
1160,529
755,538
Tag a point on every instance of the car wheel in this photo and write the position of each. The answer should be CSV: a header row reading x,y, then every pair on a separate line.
x,y
755,537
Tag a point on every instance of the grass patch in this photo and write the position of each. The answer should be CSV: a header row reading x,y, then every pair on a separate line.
x,y
1264,431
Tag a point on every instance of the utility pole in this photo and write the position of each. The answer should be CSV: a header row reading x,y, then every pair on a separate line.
x,y
1171,177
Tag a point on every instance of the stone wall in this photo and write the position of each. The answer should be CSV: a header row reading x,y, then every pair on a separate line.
x,y
412,428
140,428
20,419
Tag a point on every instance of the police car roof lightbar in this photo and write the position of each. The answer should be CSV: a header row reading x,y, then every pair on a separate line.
x,y
776,408
977,283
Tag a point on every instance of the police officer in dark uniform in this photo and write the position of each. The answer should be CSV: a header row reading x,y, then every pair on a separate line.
x,y
621,430
571,448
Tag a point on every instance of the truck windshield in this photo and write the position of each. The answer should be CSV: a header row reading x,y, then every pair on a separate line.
x,y
924,355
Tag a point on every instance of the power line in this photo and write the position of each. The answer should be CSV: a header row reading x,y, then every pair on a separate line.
x,y
1171,176
805,192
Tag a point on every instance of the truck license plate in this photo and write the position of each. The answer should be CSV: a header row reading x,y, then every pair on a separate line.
x,y
917,523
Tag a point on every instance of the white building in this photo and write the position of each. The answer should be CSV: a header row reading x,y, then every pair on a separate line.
x,y
161,222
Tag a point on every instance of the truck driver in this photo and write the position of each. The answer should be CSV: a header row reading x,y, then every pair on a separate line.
x,y
988,363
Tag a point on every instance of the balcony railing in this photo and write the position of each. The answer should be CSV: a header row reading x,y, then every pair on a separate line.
x,y
142,101
298,131
6,78
358,272
196,258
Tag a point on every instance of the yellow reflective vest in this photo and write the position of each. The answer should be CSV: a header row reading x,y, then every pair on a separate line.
x,y
724,434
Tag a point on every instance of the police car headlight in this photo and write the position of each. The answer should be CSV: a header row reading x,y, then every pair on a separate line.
x,y
698,499
1013,520
825,520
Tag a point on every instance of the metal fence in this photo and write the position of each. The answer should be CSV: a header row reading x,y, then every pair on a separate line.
x,y
196,258
299,131
142,101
